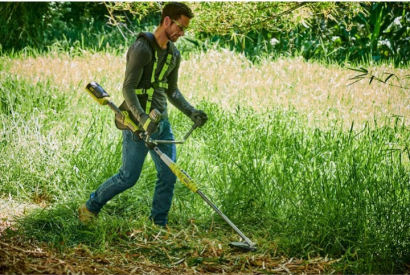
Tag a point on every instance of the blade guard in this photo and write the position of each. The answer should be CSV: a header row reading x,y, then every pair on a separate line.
x,y
98,93
243,246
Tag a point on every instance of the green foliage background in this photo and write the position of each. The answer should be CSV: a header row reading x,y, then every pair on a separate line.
x,y
333,31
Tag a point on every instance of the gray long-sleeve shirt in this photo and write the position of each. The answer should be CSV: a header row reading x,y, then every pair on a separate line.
x,y
140,62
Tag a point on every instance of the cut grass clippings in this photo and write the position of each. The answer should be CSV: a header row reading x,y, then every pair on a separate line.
x,y
147,250
30,258
161,254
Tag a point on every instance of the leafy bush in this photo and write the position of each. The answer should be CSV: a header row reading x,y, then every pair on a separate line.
x,y
331,31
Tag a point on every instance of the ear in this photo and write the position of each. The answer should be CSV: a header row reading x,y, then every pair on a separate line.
x,y
167,21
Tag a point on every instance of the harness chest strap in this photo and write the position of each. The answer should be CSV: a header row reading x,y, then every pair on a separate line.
x,y
155,83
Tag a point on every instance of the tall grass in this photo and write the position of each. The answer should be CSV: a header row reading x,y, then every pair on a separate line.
x,y
294,157
288,83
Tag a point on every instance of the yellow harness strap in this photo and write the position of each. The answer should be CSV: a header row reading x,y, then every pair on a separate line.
x,y
155,83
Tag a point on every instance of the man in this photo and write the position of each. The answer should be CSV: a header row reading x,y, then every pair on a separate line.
x,y
143,91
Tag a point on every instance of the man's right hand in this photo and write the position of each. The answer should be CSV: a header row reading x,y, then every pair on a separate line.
x,y
149,126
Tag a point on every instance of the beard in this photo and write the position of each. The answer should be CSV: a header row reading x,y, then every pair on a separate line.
x,y
172,36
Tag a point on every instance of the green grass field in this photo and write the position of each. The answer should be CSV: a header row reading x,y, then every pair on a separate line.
x,y
303,164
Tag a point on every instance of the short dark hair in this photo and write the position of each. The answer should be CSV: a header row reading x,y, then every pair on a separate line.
x,y
175,10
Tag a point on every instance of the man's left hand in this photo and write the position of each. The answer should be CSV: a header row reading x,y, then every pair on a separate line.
x,y
199,117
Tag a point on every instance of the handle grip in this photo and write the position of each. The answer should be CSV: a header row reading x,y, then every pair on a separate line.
x,y
155,116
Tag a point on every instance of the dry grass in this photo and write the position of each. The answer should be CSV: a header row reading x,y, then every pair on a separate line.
x,y
9,210
321,92
316,90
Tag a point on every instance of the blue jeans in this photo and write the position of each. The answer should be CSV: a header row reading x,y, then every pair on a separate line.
x,y
133,156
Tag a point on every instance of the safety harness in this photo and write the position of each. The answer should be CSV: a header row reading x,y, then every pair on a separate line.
x,y
126,115
155,82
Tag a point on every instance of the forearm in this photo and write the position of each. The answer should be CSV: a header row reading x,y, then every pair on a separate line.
x,y
133,102
178,100
174,95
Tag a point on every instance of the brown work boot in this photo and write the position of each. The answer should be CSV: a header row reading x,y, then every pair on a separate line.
x,y
86,216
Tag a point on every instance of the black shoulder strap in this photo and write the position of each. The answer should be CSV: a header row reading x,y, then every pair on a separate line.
x,y
149,36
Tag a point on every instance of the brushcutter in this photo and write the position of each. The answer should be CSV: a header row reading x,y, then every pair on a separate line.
x,y
102,97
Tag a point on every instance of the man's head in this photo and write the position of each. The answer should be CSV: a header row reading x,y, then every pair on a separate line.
x,y
175,19
174,10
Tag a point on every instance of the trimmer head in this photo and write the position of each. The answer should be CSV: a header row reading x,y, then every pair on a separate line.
x,y
243,246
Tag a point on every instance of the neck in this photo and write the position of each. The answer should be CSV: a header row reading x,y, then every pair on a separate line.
x,y
161,38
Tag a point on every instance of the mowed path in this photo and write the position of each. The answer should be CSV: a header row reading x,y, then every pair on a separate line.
x,y
21,255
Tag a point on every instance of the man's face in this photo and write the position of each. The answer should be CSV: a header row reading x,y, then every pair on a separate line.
x,y
177,28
